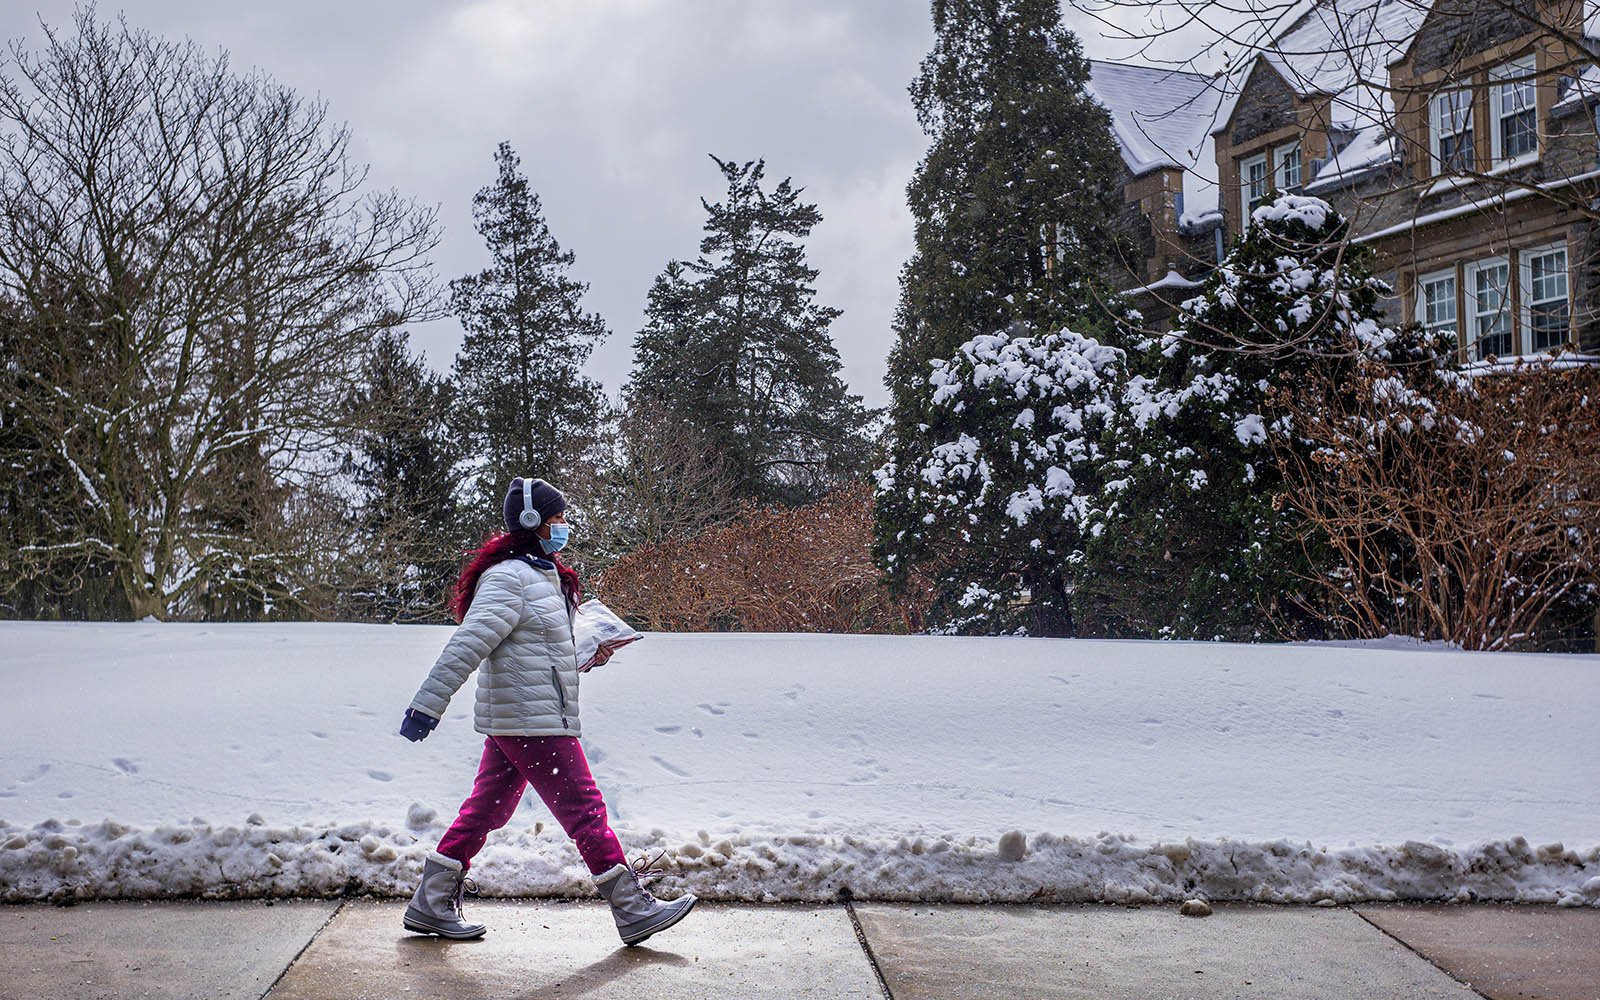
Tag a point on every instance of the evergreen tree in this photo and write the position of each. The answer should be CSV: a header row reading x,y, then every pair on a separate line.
x,y
1012,207
1197,545
409,531
735,345
999,512
524,405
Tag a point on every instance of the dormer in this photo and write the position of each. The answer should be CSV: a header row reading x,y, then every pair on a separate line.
x,y
1475,88
1310,109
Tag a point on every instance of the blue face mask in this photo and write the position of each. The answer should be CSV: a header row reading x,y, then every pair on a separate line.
x,y
559,533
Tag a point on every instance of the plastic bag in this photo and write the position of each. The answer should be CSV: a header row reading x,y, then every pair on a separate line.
x,y
596,628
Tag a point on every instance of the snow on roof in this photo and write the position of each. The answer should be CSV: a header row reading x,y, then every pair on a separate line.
x,y
1371,147
1473,203
1162,118
1340,49
1172,279
1583,88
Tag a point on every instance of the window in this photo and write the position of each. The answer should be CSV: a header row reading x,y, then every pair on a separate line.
x,y
1547,315
1450,130
1516,131
1287,177
1252,184
1436,302
1489,291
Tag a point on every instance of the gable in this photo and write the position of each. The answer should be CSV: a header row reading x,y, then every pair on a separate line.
x,y
1455,30
1265,103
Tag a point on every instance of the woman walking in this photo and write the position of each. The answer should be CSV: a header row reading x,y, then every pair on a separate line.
x,y
515,602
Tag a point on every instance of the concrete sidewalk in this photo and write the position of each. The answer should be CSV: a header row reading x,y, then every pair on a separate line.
x,y
357,948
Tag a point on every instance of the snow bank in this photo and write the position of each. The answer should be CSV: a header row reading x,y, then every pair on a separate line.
x,y
109,861
789,767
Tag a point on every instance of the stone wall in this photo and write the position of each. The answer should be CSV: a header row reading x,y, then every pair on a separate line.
x,y
1457,29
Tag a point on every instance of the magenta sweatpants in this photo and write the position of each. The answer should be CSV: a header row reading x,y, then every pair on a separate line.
x,y
557,769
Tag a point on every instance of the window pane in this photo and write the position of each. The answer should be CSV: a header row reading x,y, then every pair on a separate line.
x,y
1517,135
1289,168
1492,318
1455,151
1549,315
1453,114
1439,304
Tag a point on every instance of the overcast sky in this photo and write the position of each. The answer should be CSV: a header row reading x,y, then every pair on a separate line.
x,y
613,106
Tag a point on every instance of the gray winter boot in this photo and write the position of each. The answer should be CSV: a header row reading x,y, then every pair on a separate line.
x,y
436,905
638,914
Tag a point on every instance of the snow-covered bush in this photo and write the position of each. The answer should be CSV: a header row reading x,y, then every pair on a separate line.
x,y
1015,482
1197,543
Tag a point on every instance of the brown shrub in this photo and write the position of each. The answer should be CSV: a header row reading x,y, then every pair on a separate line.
x,y
772,569
1469,516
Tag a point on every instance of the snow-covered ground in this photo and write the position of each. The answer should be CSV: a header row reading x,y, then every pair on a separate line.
x,y
152,759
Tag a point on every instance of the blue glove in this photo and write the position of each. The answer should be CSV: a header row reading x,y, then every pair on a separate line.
x,y
417,725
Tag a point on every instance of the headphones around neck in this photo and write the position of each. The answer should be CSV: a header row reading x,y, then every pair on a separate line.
x,y
529,518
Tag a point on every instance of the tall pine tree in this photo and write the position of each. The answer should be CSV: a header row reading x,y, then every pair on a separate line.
x,y
735,345
524,404
409,531
1012,207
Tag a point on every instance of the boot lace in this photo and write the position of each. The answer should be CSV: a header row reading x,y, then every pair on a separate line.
x,y
464,886
645,871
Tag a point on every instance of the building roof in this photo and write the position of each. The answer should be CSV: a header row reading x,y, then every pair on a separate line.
x,y
1163,118
1338,49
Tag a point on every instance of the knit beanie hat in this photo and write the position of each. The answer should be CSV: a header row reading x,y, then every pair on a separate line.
x,y
547,500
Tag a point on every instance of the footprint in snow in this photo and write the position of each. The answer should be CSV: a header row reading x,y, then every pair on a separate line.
x,y
125,765
669,768
712,709
34,775
319,734
669,730
794,692
751,736
376,775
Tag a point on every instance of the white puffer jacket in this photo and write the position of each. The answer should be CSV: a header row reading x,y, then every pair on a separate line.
x,y
528,685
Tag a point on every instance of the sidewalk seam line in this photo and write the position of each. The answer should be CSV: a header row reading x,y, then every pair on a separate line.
x,y
866,946
309,942
1404,944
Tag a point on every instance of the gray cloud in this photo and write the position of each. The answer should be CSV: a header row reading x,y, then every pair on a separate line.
x,y
613,106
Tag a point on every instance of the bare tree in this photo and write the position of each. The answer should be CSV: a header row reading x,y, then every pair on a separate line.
x,y
651,478
201,277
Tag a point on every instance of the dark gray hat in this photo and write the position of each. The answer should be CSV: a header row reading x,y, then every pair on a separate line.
x,y
545,499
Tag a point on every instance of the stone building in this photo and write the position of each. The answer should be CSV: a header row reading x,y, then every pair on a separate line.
x,y
1459,138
